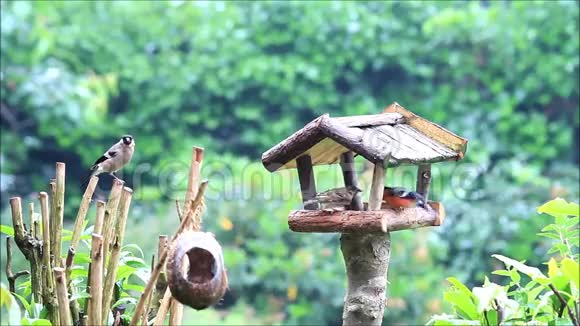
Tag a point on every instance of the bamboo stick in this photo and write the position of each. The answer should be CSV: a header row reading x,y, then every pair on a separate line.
x,y
18,224
194,175
154,299
74,305
48,294
10,276
36,269
111,218
176,310
52,198
59,213
163,308
83,209
190,211
28,245
100,216
145,315
33,222
96,300
116,250
62,296
98,229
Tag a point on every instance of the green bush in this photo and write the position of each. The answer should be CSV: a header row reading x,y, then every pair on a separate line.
x,y
530,296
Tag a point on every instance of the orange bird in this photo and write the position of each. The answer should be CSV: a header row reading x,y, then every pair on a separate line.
x,y
401,198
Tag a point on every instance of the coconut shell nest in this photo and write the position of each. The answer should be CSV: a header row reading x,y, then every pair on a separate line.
x,y
203,281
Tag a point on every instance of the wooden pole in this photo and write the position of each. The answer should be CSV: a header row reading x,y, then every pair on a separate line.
x,y
99,217
176,311
366,257
424,180
163,308
111,218
350,179
82,213
109,284
96,294
306,179
160,285
62,296
48,289
19,231
52,216
56,228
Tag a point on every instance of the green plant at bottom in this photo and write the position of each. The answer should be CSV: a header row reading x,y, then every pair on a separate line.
x,y
531,297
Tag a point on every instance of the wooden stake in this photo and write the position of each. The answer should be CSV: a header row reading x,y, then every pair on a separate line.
x,y
424,180
145,316
194,175
20,236
83,209
52,198
111,218
56,228
29,246
33,221
307,182
62,296
48,294
160,284
99,218
116,251
176,312
163,308
96,299
73,304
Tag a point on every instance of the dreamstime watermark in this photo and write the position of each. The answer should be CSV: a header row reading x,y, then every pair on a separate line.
x,y
231,181
251,182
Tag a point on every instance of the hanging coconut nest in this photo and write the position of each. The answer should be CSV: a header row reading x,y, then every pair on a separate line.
x,y
201,280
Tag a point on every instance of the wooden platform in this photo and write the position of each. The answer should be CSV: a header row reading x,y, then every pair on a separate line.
x,y
384,220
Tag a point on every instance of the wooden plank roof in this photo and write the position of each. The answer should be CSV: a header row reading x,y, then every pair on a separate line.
x,y
396,135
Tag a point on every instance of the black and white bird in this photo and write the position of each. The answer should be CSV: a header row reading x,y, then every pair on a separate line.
x,y
113,159
334,199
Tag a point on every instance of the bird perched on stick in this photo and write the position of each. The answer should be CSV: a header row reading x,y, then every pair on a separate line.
x,y
113,159
334,199
402,198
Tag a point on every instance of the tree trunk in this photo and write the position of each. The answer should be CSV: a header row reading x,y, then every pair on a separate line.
x,y
366,256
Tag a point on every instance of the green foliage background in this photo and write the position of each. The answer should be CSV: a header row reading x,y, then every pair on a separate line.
x,y
238,77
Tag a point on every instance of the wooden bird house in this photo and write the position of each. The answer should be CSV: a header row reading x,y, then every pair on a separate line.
x,y
392,138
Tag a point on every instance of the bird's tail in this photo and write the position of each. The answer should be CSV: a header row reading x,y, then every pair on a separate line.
x,y
87,178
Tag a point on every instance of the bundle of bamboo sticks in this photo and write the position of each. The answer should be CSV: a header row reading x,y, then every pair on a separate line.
x,y
50,273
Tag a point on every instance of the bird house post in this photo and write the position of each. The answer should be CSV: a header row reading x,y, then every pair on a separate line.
x,y
394,137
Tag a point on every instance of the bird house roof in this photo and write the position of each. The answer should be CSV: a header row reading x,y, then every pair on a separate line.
x,y
396,135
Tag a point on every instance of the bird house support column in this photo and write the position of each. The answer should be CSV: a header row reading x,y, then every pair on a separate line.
x,y
424,180
306,178
366,257
349,176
